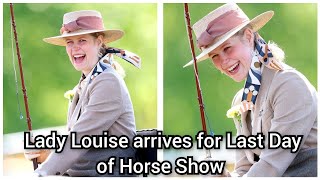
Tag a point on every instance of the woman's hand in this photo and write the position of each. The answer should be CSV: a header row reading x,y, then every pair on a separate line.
x,y
40,154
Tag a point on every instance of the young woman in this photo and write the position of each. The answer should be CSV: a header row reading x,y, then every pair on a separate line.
x,y
275,98
101,101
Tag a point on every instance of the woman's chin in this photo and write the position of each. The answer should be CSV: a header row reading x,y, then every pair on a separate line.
x,y
77,68
238,78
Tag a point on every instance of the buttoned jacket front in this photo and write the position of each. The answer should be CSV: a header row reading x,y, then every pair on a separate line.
x,y
104,105
286,104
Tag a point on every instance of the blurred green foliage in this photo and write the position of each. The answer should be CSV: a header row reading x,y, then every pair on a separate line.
x,y
293,28
49,73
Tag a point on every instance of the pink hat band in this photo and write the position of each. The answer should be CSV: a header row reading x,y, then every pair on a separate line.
x,y
83,22
220,26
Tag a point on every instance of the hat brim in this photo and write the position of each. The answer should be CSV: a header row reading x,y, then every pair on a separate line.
x,y
257,23
110,35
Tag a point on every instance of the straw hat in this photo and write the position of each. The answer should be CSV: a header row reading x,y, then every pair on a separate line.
x,y
83,22
222,23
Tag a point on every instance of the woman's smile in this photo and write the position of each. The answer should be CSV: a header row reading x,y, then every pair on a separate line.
x,y
234,68
78,59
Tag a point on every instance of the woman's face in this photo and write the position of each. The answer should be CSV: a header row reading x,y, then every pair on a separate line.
x,y
83,51
233,57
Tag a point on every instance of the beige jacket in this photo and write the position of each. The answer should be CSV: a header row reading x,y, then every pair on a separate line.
x,y
104,105
287,104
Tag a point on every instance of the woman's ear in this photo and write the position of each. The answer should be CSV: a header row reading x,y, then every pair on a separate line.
x,y
100,40
249,36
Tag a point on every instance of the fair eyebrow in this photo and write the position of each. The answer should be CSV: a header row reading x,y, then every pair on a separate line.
x,y
222,47
80,37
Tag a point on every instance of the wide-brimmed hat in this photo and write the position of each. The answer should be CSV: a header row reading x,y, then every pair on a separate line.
x,y
83,22
221,24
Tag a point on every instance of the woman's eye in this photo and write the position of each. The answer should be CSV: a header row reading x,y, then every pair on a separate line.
x,y
82,40
226,49
214,57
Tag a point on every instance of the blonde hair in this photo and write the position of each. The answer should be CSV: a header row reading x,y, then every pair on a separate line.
x,y
277,52
103,51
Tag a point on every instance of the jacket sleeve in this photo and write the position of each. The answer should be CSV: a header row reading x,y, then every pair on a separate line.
x,y
103,109
242,164
294,103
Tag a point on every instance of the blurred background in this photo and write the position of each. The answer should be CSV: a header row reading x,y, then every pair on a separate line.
x,y
49,74
293,28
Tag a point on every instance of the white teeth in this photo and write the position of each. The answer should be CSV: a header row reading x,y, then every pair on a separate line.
x,y
232,67
77,56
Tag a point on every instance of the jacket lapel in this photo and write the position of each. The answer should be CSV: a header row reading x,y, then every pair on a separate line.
x,y
251,121
76,105
245,131
267,76
75,108
72,108
73,104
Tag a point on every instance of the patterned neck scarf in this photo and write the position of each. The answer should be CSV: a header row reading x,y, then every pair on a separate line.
x,y
107,60
85,80
261,55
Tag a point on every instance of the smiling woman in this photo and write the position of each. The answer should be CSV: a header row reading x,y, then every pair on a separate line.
x,y
101,101
276,98
49,73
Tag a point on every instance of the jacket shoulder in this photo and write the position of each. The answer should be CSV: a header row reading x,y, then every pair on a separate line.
x,y
107,76
292,78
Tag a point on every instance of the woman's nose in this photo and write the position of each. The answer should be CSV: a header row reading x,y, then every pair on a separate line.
x,y
224,59
75,46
